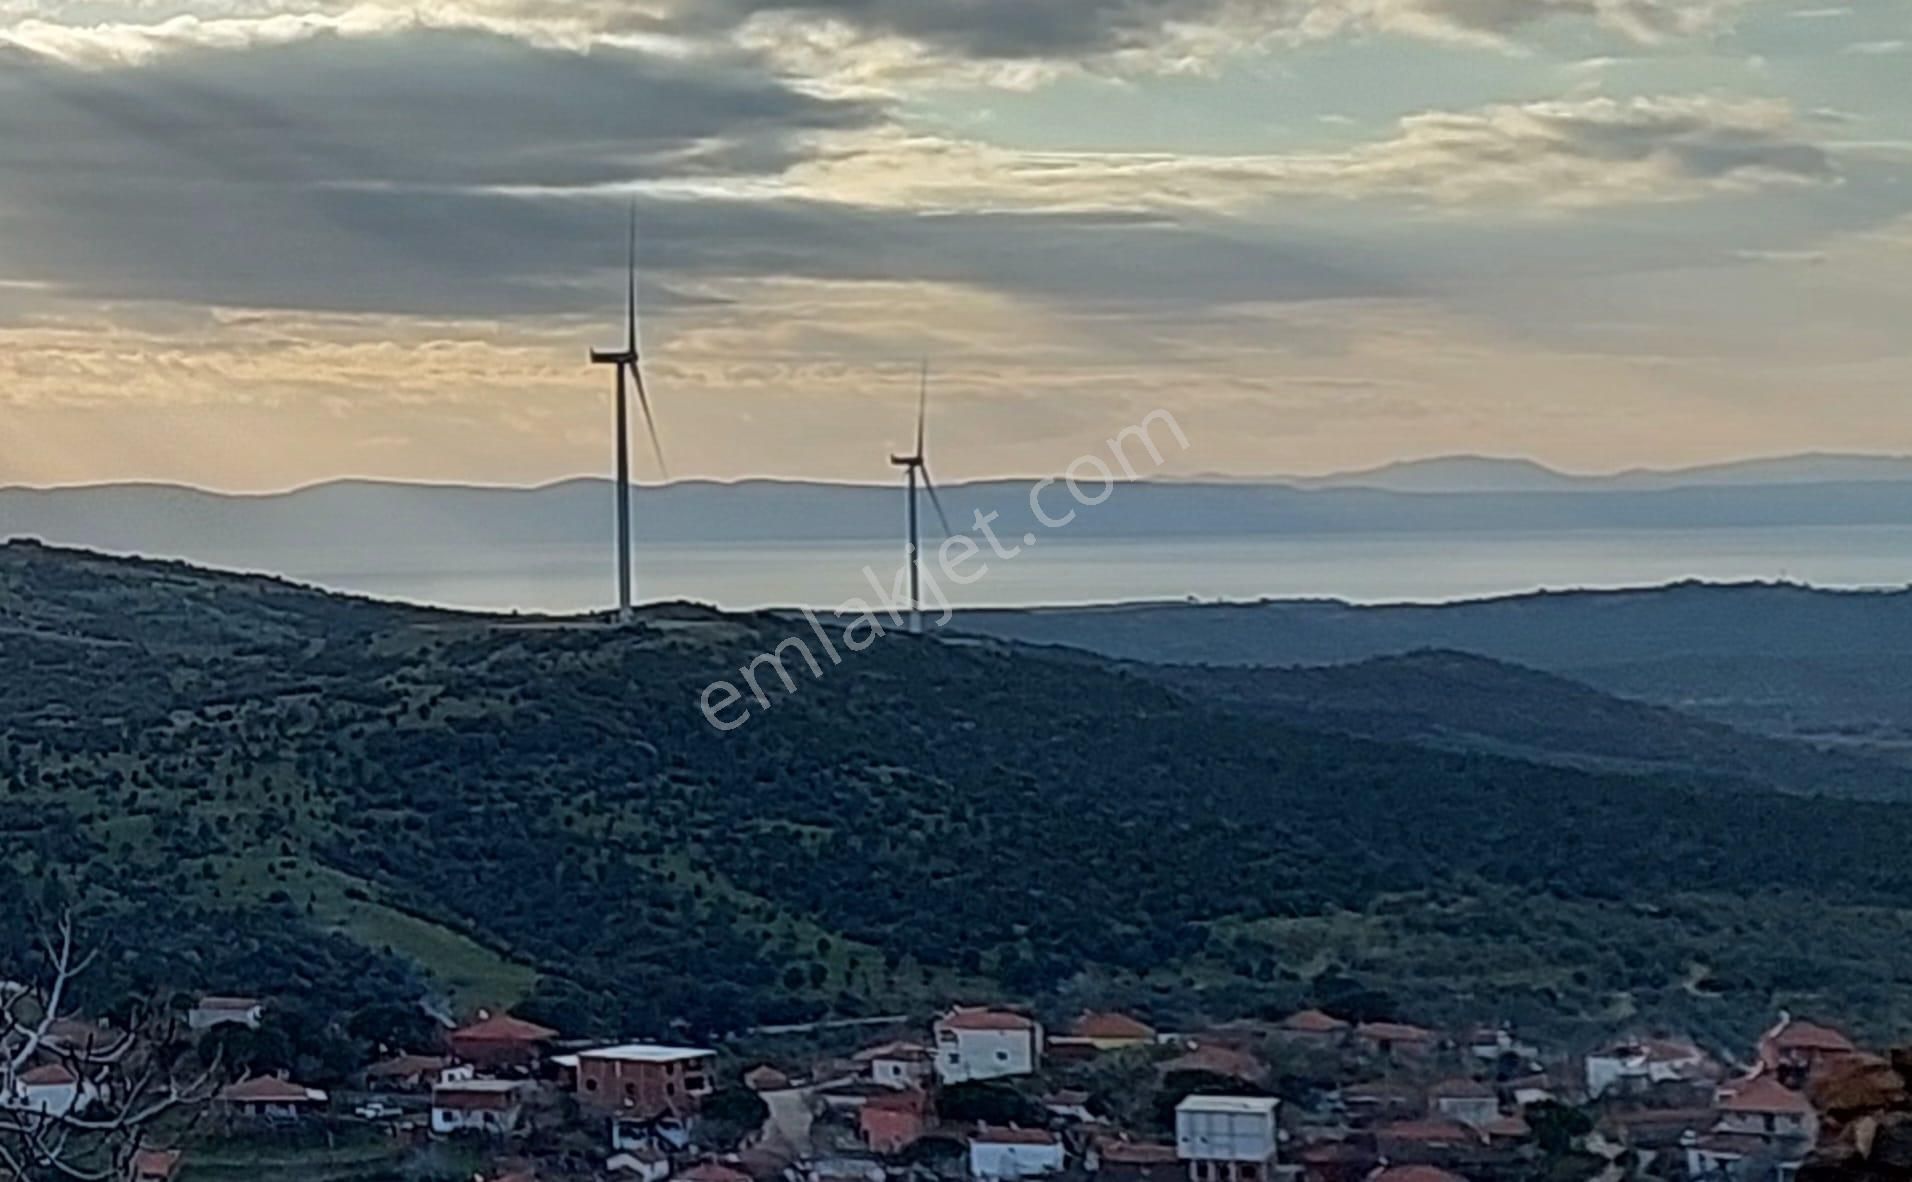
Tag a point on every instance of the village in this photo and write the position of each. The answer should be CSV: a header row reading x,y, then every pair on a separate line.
x,y
990,1093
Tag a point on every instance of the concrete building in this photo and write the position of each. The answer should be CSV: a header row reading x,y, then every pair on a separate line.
x,y
1227,1138
1003,1155
490,1106
641,1079
976,1044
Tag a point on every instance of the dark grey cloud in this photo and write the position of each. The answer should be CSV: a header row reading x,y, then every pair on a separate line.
x,y
440,173
999,29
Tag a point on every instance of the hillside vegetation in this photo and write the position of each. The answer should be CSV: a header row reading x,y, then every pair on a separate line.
x,y
256,786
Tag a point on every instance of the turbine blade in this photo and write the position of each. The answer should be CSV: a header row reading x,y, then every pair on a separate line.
x,y
630,287
650,423
922,411
929,486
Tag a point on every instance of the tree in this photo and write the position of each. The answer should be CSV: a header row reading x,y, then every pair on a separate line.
x,y
123,1081
729,1115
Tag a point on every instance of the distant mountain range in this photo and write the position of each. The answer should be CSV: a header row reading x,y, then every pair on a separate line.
x,y
1496,474
1459,494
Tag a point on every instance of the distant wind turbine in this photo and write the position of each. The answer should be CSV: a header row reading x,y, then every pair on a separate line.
x,y
917,464
626,361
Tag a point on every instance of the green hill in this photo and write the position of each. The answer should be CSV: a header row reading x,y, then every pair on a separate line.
x,y
256,786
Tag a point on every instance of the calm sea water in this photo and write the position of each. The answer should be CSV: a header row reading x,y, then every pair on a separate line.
x,y
1062,570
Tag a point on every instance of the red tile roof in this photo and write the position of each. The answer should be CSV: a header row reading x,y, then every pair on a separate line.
x,y
1511,1127
1112,1026
49,1075
402,1066
504,1028
1458,1089
265,1089
907,1100
479,1095
1136,1153
907,1052
155,1163
1416,1174
1761,1094
711,1171
962,1018
1001,1136
1393,1032
1429,1132
1312,1022
1798,1034
1218,1061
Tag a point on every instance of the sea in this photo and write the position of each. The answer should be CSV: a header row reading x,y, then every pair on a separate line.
x,y
1362,568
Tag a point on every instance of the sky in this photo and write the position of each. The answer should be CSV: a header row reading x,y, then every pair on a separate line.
x,y
251,244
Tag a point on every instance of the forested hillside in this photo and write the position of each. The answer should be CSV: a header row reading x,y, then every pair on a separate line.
x,y
349,793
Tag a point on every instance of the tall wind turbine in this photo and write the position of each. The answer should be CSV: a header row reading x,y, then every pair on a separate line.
x,y
917,464
626,362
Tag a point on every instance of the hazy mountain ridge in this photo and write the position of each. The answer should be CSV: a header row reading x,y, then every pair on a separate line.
x,y
1777,658
375,516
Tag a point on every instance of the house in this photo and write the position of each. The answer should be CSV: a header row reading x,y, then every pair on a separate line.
x,y
1762,1130
1003,1155
1378,1103
898,1064
155,1165
490,1106
1465,1100
416,1072
1633,1065
1794,1045
893,1121
52,1089
639,1165
1491,1044
209,1013
1740,1157
1115,1160
498,1042
1395,1039
1217,1060
1763,1106
1110,1031
1311,1028
642,1079
982,1043
765,1078
267,1097
1426,1142
1227,1138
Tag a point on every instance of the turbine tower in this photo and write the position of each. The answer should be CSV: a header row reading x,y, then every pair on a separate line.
x,y
626,362
917,464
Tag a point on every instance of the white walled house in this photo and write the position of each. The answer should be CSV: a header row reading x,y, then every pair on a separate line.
x,y
898,1064
1227,1138
50,1090
1468,1101
1003,1155
489,1106
1640,1063
976,1044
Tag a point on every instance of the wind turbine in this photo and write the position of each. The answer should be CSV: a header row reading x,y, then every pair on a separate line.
x,y
917,464
626,362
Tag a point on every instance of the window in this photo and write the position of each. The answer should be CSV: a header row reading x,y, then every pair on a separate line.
x,y
1002,1056
590,1084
